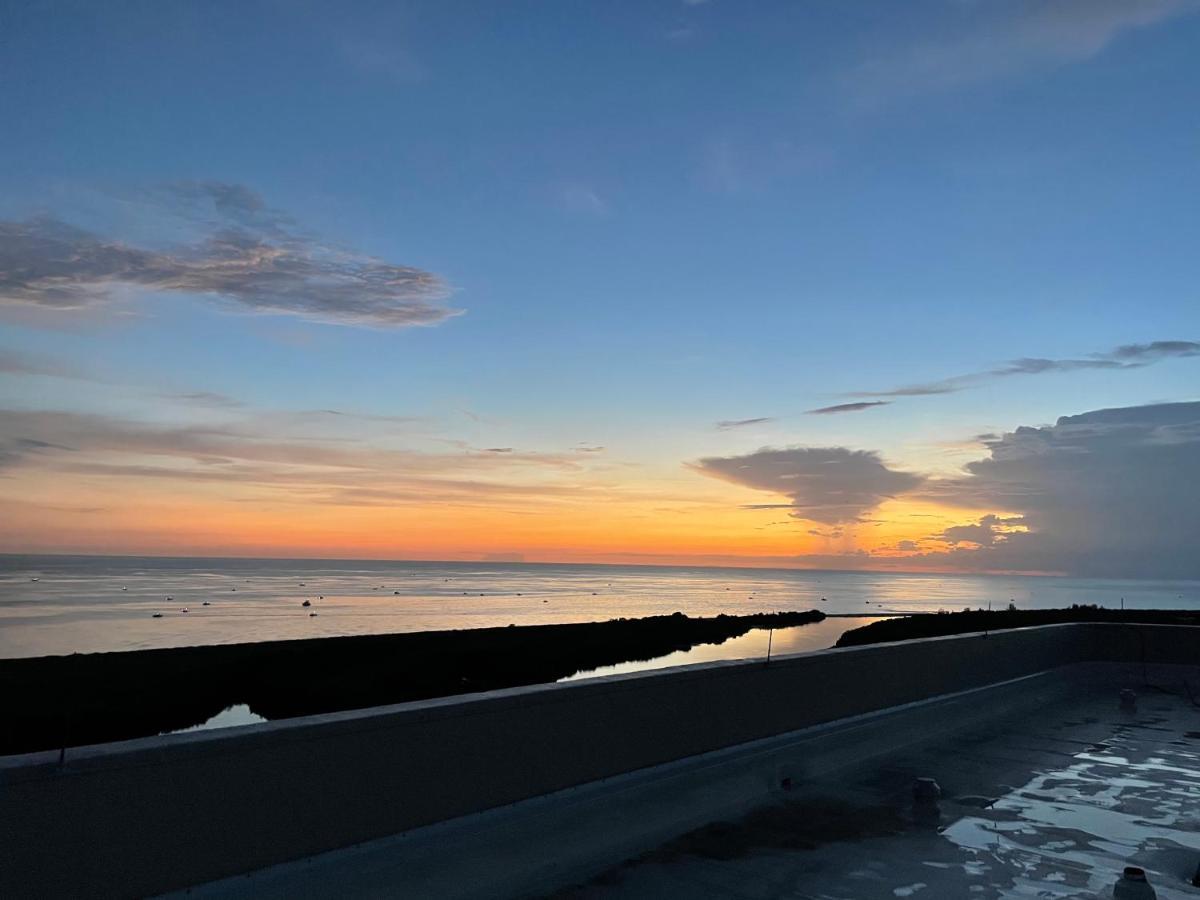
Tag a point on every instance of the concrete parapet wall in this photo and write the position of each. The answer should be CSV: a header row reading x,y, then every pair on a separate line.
x,y
155,814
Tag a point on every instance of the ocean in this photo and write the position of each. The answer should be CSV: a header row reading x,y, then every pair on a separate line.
x,y
52,605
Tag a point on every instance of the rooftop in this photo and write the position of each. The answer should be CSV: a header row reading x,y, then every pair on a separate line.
x,y
1049,804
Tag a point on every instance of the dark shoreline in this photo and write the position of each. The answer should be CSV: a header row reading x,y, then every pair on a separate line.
x,y
923,625
56,701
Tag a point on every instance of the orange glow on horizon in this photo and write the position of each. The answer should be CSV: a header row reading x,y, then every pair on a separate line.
x,y
652,523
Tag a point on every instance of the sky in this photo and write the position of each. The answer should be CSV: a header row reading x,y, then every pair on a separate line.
x,y
852,285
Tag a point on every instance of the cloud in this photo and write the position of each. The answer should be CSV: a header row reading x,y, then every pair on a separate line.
x,y
383,59
283,457
948,386
731,424
582,199
680,33
1152,352
847,407
830,485
1113,492
1128,356
14,363
985,533
977,43
247,256
1107,493
752,164
205,398
831,534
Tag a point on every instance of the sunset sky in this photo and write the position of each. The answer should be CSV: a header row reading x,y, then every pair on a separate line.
x,y
844,285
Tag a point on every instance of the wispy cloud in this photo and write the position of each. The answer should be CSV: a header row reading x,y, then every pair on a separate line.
x,y
249,257
15,363
1127,356
749,165
847,407
582,199
731,424
977,43
205,398
284,457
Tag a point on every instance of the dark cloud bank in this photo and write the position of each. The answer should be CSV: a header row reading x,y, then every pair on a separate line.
x,y
246,255
1114,492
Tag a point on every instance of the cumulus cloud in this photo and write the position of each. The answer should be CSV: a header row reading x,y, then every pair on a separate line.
x,y
731,424
985,533
1127,356
847,407
1107,493
830,485
1114,492
248,256
978,43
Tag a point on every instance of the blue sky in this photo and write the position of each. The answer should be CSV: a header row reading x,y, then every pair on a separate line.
x,y
653,216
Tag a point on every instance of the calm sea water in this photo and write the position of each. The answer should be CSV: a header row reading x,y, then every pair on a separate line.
x,y
56,605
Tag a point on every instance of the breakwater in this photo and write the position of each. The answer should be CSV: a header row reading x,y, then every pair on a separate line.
x,y
906,628
61,701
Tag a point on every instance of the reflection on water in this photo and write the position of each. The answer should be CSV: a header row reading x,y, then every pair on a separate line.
x,y
751,645
87,604
1129,800
226,718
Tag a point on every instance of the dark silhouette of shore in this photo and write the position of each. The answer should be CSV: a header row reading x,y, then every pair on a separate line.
x,y
905,628
57,701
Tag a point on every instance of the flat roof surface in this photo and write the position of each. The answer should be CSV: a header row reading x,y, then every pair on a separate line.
x,y
1053,804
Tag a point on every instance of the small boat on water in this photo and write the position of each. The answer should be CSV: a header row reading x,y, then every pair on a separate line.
x,y
206,603
306,603
156,616
185,609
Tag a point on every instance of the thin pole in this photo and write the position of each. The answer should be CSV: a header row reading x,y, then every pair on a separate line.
x,y
770,639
